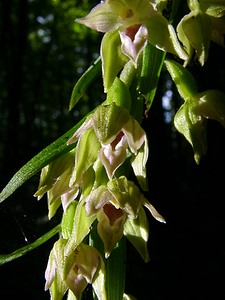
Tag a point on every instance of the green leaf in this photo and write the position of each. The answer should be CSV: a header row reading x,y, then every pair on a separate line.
x,y
152,63
98,282
59,257
174,9
47,155
168,8
5,258
84,81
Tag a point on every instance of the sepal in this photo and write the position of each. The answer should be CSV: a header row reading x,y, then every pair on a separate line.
x,y
183,79
137,232
163,36
110,226
113,60
86,154
190,120
211,105
119,94
193,127
194,30
214,8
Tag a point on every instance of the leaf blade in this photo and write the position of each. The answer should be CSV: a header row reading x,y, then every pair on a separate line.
x,y
5,258
35,164
152,63
84,81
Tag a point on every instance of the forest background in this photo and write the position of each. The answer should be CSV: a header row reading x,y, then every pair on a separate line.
x,y
43,52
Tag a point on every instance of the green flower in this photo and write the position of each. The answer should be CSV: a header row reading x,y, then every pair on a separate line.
x,y
134,39
112,15
115,134
215,8
54,181
110,226
204,23
74,272
198,107
120,200
137,22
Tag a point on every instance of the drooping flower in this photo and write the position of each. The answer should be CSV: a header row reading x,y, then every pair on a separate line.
x,y
118,202
191,118
134,39
74,272
115,135
112,15
137,22
110,226
204,23
54,181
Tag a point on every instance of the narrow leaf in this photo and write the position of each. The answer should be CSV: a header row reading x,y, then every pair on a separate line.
x,y
84,81
39,161
152,63
4,258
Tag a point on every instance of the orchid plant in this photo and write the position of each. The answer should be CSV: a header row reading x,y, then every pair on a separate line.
x,y
97,170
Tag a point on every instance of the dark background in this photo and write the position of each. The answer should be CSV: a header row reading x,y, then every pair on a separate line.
x,y
42,54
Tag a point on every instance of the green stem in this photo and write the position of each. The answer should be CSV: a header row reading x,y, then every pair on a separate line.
x,y
115,272
114,265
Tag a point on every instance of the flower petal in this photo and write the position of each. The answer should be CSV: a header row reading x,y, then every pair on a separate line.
x,y
108,121
137,232
112,158
162,35
87,124
154,212
126,195
86,154
138,163
132,46
97,199
103,17
135,135
110,226
211,105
